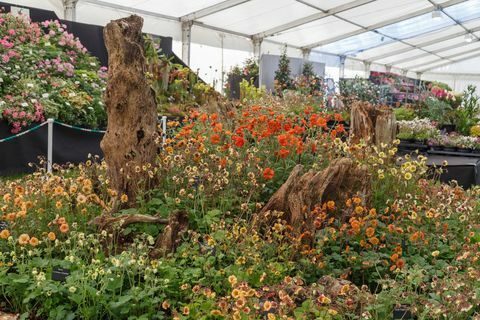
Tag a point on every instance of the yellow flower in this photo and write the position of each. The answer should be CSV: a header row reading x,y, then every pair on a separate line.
x,y
124,198
267,305
271,316
216,312
435,253
235,293
58,204
358,209
408,176
233,280
324,299
333,312
51,236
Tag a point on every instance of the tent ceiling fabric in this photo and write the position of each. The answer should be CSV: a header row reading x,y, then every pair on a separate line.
x,y
403,34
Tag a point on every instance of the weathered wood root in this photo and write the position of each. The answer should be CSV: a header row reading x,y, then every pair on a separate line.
x,y
372,124
298,196
109,223
169,240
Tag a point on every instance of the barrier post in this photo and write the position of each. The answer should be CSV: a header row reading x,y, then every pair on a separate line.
x,y
50,145
164,129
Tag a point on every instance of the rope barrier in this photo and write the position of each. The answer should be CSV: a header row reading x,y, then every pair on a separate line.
x,y
24,132
78,128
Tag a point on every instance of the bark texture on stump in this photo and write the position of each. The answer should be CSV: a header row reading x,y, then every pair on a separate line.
x,y
169,240
132,114
374,125
298,196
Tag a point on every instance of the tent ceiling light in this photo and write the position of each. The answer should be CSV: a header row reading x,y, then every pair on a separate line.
x,y
468,37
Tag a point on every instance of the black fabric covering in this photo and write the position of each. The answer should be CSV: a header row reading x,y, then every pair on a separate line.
x,y
15,154
465,170
69,146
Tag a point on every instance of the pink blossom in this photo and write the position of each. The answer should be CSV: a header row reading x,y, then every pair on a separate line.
x,y
11,32
5,58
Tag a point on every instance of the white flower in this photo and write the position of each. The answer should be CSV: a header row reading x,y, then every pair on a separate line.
x,y
72,289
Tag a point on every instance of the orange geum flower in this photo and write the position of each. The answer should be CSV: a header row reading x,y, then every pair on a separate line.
x,y
283,153
400,263
64,228
268,173
370,232
215,139
5,234
51,236
34,242
23,239
394,257
374,240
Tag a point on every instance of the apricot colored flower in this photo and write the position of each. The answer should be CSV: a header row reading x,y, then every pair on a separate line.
x,y
51,236
268,174
23,239
34,242
5,234
64,228
370,232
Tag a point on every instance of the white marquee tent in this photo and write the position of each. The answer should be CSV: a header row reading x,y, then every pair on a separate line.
x,y
431,39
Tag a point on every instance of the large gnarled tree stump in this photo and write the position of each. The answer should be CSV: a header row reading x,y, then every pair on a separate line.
x,y
129,142
298,196
374,125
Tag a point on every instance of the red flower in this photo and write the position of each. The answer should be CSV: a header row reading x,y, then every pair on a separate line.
x,y
282,139
283,153
239,141
215,139
268,173
338,117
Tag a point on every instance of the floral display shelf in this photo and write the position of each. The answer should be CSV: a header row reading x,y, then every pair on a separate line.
x,y
423,146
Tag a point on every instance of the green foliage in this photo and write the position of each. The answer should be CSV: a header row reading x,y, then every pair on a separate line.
x,y
282,74
468,113
404,113
249,92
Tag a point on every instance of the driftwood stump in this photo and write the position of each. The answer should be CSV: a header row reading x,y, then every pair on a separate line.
x,y
298,196
129,142
374,125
